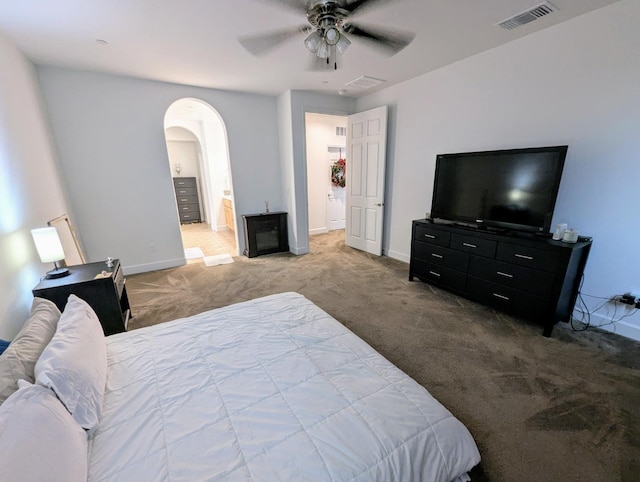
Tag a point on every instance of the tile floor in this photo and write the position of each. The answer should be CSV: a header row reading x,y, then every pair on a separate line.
x,y
200,235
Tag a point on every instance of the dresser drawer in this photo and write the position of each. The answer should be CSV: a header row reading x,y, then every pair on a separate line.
x,y
187,199
189,208
539,283
433,236
442,276
441,256
541,259
184,182
190,217
186,191
508,299
472,245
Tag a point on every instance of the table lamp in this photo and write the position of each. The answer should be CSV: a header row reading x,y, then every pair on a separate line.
x,y
50,250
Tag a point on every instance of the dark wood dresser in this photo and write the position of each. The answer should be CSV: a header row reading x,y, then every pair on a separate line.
x,y
532,277
186,189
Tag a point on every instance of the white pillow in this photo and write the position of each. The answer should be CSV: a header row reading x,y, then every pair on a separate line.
x,y
74,363
39,441
19,359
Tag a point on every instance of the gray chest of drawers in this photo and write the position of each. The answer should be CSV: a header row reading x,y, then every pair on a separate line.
x,y
530,277
186,189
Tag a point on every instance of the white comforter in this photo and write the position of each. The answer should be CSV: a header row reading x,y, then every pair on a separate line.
x,y
272,389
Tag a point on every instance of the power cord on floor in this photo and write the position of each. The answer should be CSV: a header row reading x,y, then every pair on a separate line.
x,y
585,313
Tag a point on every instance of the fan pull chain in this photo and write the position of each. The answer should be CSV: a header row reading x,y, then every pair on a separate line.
x,y
333,53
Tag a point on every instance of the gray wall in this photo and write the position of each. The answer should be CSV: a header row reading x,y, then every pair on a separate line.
x,y
576,83
110,137
30,188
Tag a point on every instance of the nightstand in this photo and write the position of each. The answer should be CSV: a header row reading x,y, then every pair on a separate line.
x,y
106,294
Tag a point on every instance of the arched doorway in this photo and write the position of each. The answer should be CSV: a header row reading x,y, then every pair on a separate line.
x,y
199,159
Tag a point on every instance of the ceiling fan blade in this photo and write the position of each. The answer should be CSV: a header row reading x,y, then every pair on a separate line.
x,y
263,43
297,5
362,5
393,41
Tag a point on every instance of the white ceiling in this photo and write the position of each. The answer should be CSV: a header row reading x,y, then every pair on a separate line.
x,y
195,42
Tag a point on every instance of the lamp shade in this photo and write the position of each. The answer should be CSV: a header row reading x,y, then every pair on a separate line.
x,y
312,41
324,50
343,44
331,35
48,244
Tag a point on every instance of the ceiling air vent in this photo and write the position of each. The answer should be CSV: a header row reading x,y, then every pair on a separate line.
x,y
523,18
365,82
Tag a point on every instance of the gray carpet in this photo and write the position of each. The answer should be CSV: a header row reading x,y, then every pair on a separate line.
x,y
563,408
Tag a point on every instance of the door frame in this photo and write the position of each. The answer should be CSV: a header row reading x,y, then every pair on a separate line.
x,y
301,215
302,212
206,158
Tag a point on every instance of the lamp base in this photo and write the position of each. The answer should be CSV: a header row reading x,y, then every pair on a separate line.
x,y
57,273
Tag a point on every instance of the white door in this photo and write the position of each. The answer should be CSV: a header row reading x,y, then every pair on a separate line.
x,y
366,159
336,194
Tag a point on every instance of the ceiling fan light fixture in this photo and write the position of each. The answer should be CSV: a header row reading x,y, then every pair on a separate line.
x,y
332,35
313,41
343,44
324,50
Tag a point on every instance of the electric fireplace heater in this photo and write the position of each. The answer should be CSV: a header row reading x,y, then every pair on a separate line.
x,y
265,233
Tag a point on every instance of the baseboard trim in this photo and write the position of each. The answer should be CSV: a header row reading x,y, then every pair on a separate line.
x,y
318,231
144,268
399,256
299,251
622,328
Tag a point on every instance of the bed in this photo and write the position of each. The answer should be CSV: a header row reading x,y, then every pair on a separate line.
x,y
272,389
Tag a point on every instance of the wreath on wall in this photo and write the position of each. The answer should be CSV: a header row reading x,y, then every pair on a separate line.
x,y
338,172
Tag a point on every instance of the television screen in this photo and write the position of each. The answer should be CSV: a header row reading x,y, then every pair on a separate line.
x,y
512,189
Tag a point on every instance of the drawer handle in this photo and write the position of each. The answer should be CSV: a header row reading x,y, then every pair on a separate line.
x,y
435,274
430,236
506,275
439,256
185,209
502,297
182,192
187,216
469,245
523,256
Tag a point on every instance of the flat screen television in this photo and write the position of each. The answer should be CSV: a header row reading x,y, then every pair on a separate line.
x,y
513,189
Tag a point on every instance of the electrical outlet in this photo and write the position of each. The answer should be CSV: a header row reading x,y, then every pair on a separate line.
x,y
628,299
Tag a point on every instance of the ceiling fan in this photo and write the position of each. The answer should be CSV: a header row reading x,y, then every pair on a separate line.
x,y
327,29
